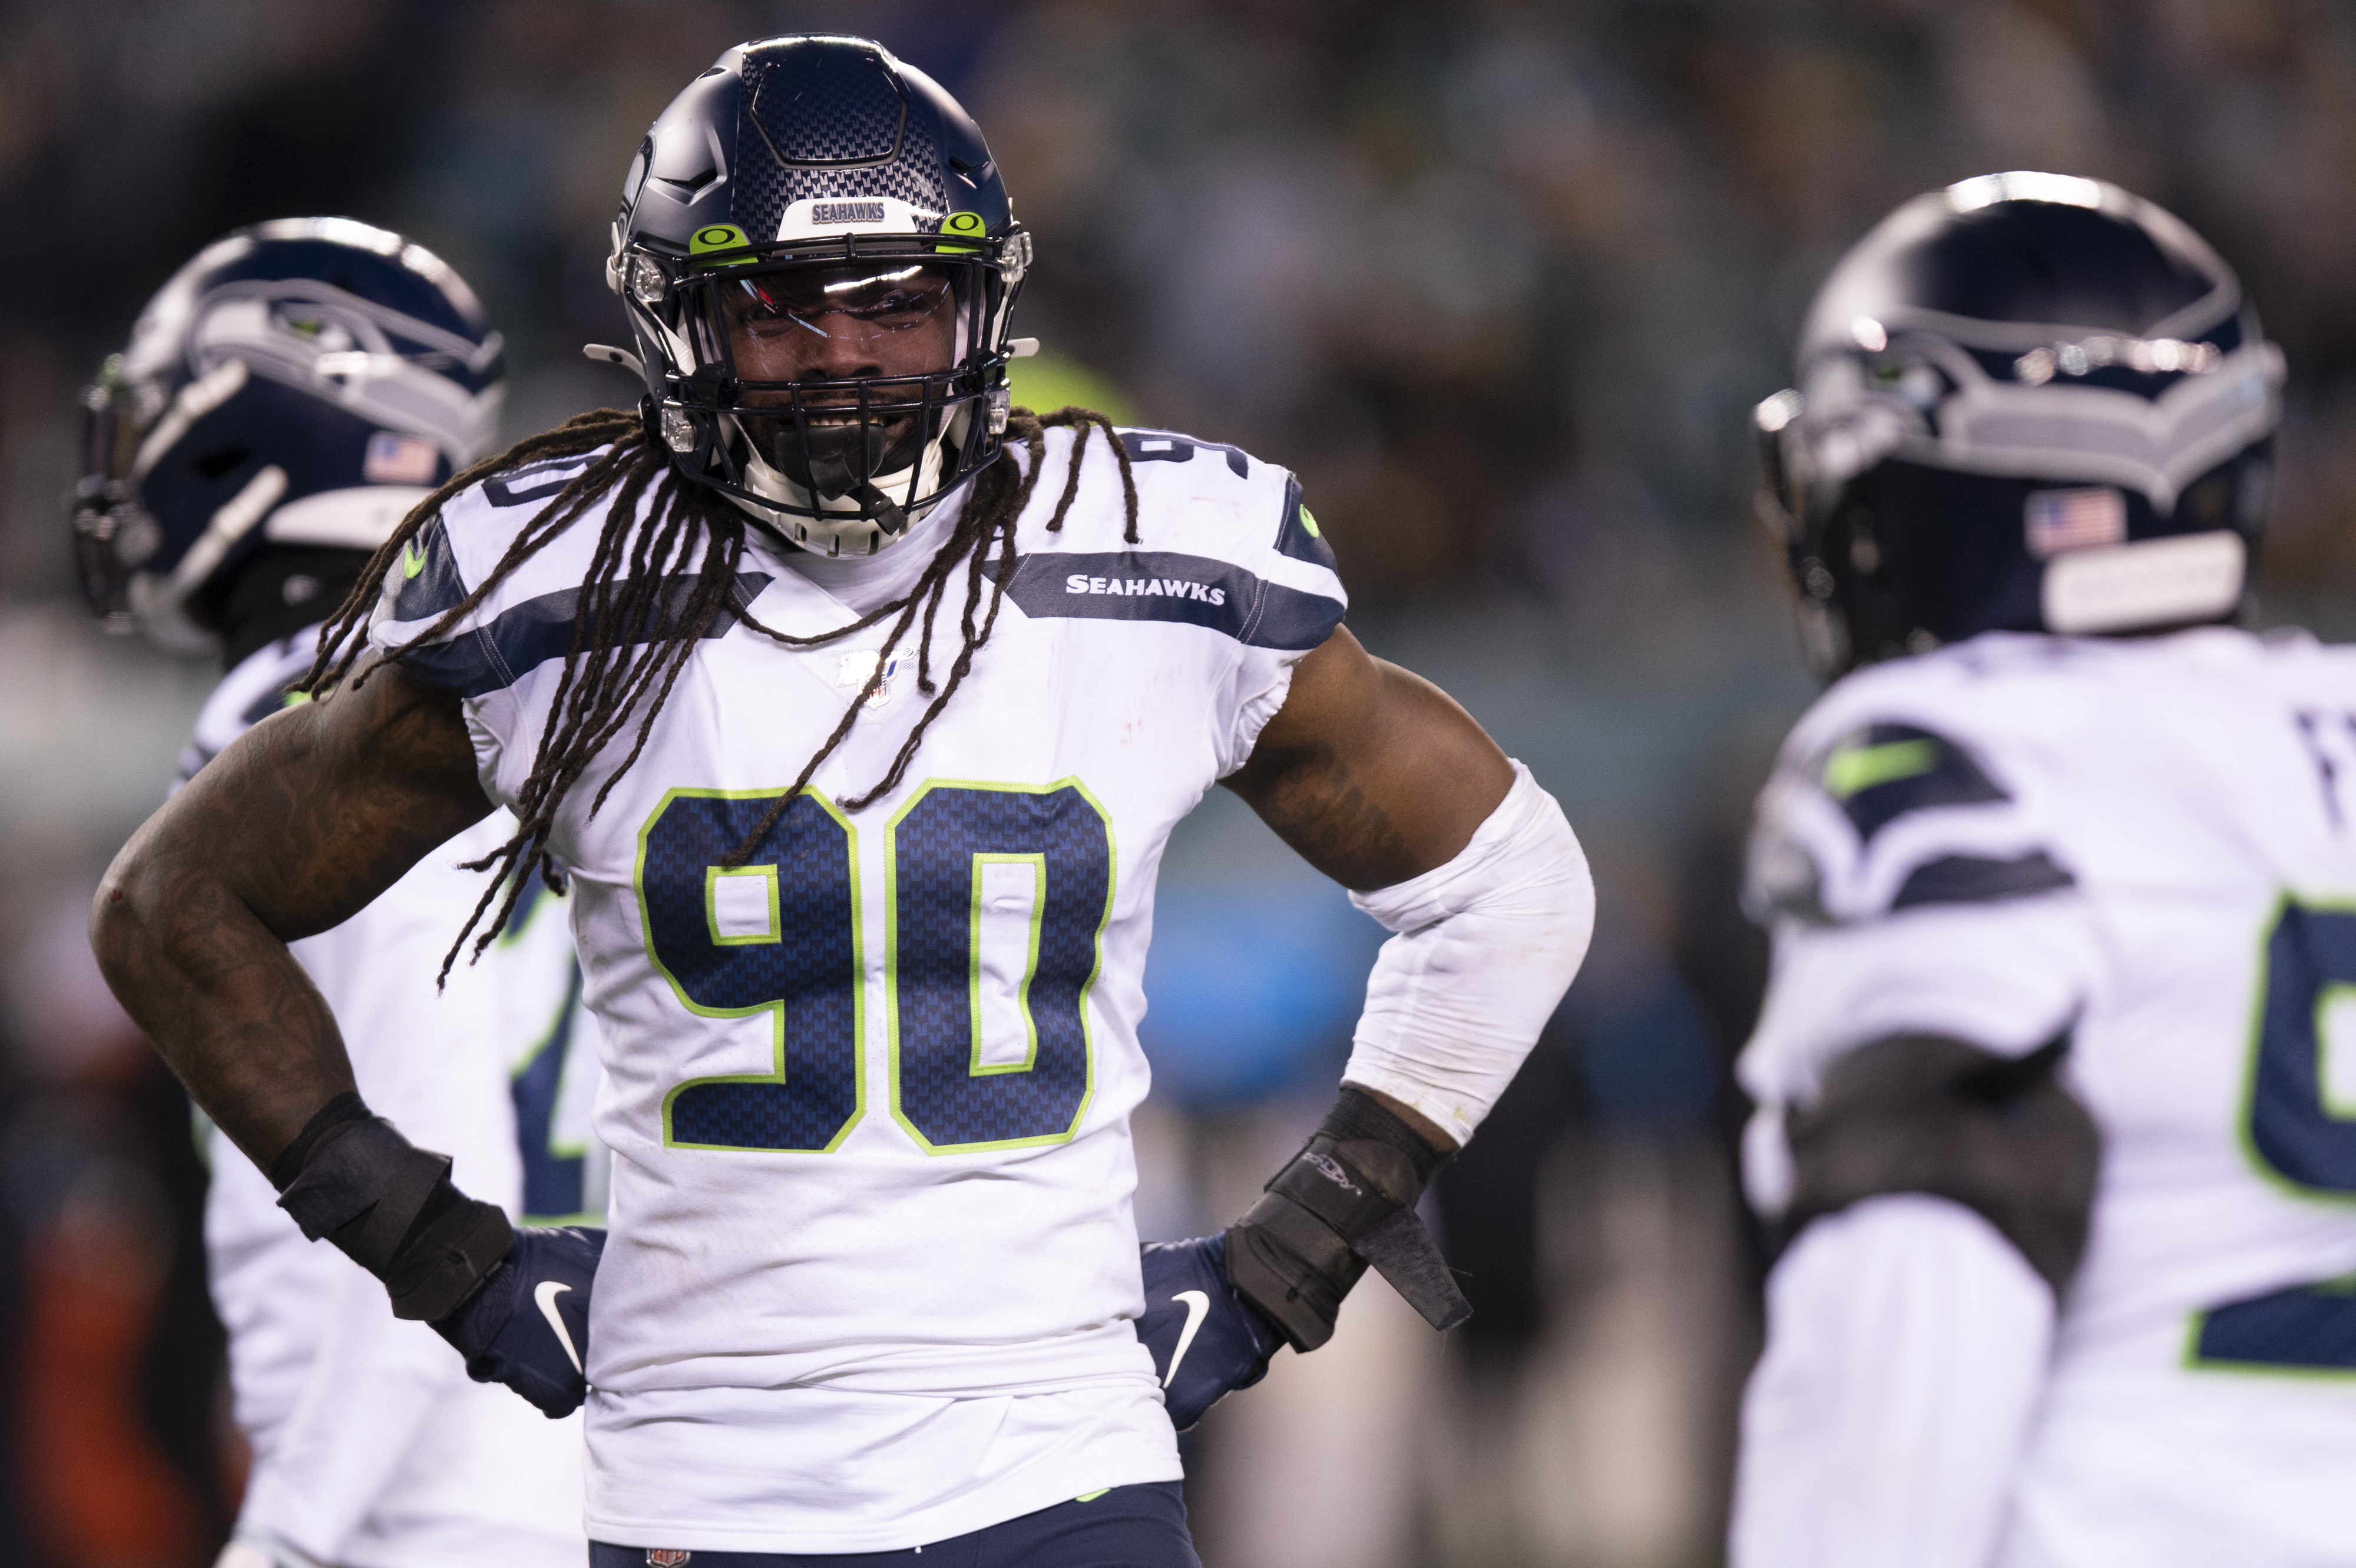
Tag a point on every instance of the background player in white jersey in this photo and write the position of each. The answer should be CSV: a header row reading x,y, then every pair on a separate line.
x,y
2053,1069
858,708
284,399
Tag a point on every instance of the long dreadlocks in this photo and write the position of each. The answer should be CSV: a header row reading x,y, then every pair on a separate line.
x,y
634,629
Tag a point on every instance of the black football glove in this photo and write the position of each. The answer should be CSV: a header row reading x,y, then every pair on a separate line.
x,y
516,1307
1346,1201
1205,1340
529,1326
351,1177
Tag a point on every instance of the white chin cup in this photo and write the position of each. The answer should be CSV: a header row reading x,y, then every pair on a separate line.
x,y
852,535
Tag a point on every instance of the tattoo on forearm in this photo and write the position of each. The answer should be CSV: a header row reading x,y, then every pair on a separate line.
x,y
290,831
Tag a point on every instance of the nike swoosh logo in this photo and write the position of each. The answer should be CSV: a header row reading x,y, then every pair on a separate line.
x,y
546,1292
1197,1307
412,559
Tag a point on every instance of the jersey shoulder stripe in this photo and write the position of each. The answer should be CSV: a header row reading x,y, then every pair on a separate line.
x,y
1882,771
523,636
1161,584
527,620
534,481
1299,538
1979,879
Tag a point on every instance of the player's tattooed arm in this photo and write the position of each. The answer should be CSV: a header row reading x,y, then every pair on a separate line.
x,y
1383,783
1373,775
1371,772
291,831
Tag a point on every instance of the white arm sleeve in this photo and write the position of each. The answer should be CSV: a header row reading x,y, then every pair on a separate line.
x,y
1485,946
1907,1344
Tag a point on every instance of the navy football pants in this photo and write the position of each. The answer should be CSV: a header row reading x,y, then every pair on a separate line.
x,y
1128,1527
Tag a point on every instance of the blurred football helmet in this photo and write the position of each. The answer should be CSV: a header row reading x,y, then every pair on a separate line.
x,y
819,263
302,383
2029,402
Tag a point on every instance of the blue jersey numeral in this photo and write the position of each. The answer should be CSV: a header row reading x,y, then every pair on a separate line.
x,y
778,935
946,842
988,1040
2300,1140
2295,1136
555,1177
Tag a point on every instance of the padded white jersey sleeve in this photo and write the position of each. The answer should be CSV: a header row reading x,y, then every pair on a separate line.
x,y
1906,861
1483,949
1907,1345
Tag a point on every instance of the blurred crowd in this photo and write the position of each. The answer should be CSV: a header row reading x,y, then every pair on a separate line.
x,y
1500,279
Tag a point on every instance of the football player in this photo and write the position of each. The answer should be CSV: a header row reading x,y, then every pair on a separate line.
x,y
284,399
2054,1068
858,707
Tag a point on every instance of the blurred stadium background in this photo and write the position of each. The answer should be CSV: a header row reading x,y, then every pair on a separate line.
x,y
1499,279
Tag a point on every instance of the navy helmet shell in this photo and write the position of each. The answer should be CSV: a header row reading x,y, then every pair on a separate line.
x,y
300,382
816,151
794,119
2029,402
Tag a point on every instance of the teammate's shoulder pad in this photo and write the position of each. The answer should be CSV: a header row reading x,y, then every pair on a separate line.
x,y
1881,803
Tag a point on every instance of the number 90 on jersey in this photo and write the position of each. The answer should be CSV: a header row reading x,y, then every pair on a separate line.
x,y
996,898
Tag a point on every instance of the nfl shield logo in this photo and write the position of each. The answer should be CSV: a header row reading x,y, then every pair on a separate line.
x,y
664,1557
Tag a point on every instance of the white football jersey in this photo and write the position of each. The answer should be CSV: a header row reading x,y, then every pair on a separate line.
x,y
2149,845
873,1271
371,1448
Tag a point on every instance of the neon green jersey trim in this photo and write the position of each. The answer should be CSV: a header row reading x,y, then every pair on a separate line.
x,y
773,932
1037,863
1853,768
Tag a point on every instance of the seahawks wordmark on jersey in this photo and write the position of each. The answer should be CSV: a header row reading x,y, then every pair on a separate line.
x,y
370,1447
2150,846
873,1270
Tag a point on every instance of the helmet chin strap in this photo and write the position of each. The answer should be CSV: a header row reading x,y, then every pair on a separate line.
x,y
831,473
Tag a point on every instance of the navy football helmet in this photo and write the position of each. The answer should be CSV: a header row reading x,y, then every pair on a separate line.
x,y
819,263
301,382
2030,403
